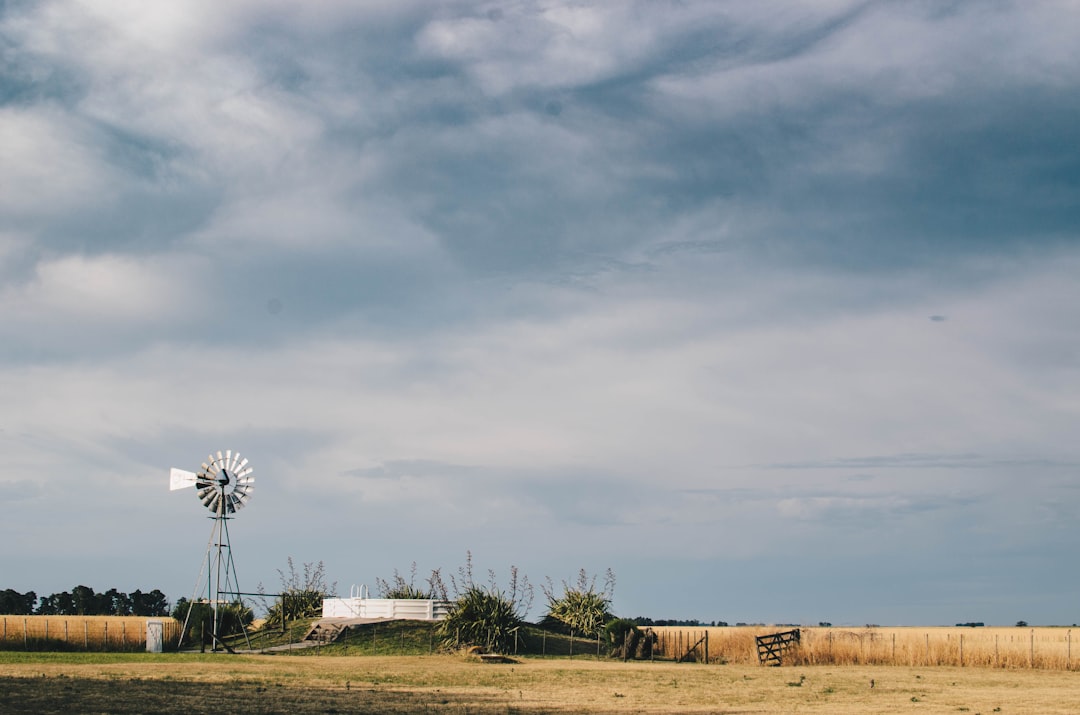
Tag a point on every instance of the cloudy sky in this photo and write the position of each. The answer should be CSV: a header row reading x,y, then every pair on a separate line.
x,y
771,308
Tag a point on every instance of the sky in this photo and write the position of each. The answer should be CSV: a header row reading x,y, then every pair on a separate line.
x,y
770,308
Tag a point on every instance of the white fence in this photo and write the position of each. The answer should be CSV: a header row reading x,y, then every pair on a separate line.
x,y
412,609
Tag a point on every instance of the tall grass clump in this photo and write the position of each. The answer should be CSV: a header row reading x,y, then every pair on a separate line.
x,y
398,587
486,615
301,594
581,608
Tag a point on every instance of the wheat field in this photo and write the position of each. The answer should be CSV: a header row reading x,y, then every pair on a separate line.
x,y
994,647
85,632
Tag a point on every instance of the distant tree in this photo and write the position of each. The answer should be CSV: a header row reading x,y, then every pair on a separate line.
x,y
17,604
57,604
154,603
85,601
1021,624
115,603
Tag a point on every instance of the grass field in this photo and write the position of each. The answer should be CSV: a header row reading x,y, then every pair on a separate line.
x,y
183,683
1040,648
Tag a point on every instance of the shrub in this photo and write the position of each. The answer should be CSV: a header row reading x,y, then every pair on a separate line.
x,y
486,616
398,587
199,616
623,637
581,608
481,617
301,596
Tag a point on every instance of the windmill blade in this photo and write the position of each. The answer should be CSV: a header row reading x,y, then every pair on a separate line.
x,y
224,485
180,479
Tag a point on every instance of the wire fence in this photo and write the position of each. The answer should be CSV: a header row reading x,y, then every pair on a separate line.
x,y
1048,648
91,633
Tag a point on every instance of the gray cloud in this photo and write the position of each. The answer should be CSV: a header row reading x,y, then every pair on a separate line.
x,y
614,281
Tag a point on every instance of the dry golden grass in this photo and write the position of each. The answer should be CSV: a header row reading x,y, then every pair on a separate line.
x,y
181,683
86,632
1039,648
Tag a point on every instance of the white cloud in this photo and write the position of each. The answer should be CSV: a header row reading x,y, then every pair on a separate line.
x,y
111,289
48,166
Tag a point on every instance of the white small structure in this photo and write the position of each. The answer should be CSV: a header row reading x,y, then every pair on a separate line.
x,y
155,636
358,605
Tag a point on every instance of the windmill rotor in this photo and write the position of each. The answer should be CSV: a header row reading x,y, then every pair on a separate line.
x,y
225,483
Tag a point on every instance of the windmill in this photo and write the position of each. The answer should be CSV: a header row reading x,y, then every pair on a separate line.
x,y
224,486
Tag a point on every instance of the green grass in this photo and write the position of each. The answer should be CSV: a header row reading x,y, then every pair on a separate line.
x,y
10,657
411,638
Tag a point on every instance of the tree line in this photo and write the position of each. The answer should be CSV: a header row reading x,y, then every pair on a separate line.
x,y
84,601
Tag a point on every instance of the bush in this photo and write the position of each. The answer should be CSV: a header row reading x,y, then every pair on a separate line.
x,y
301,596
398,587
232,618
481,617
486,615
581,608
623,636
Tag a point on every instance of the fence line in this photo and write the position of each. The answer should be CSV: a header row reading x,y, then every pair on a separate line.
x,y
85,632
1046,648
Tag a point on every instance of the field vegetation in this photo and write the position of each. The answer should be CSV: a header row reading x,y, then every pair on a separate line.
x,y
68,633
186,683
1012,647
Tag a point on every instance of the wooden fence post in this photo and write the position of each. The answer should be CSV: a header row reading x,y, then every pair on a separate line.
x,y
85,635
